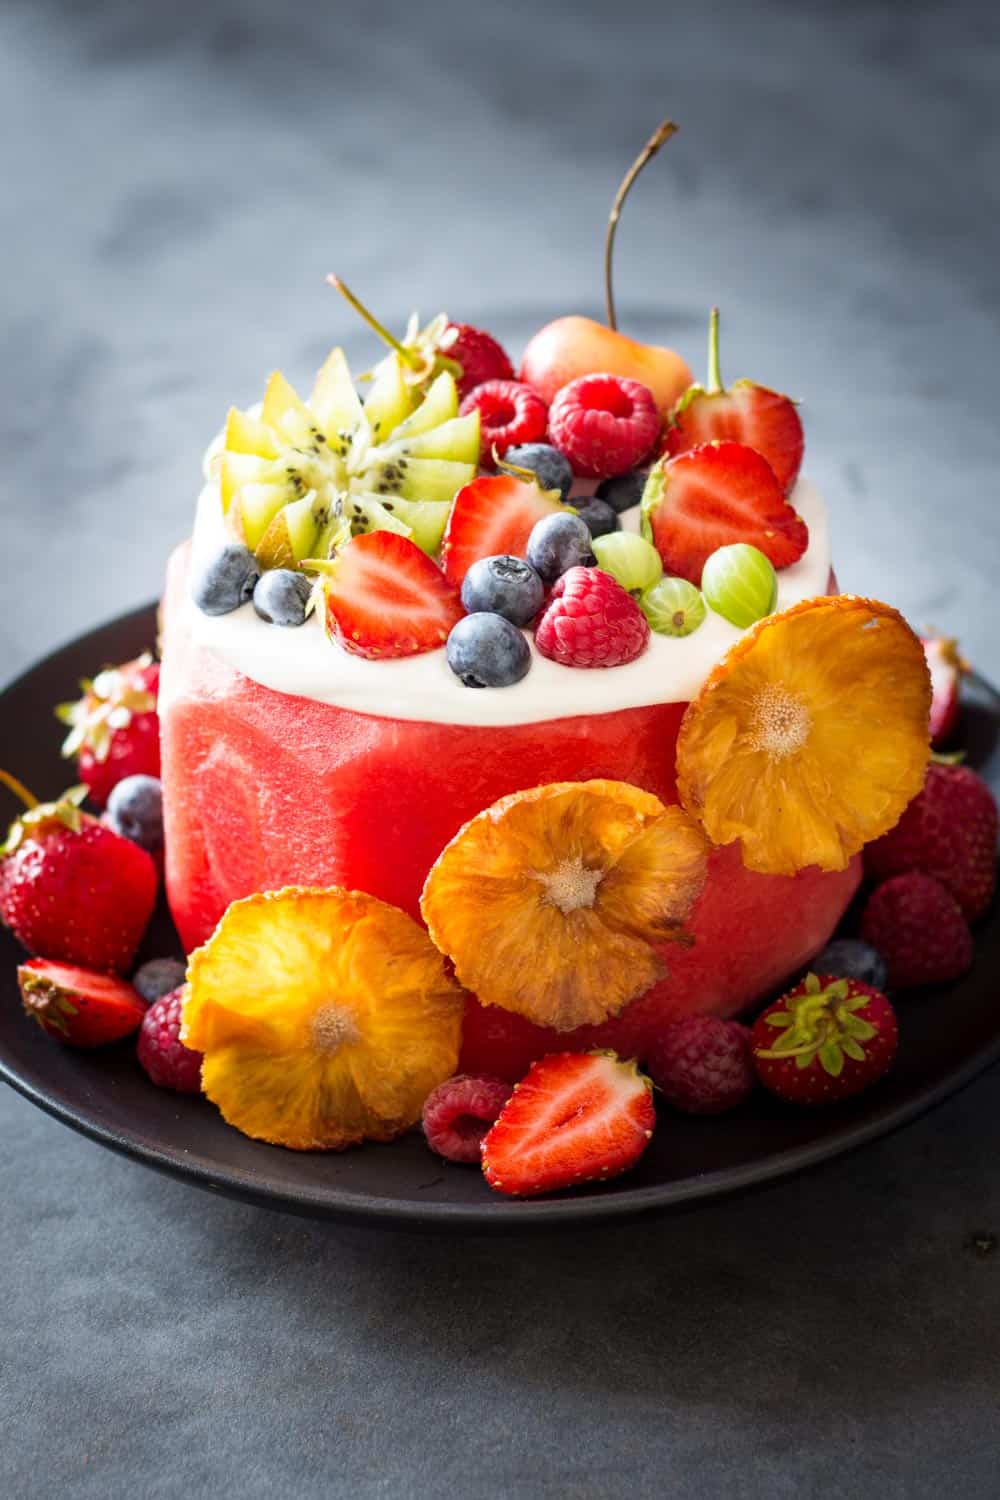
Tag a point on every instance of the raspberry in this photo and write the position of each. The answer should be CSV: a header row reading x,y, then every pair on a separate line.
x,y
459,1112
161,1052
509,413
480,356
604,424
918,927
590,621
949,831
703,1065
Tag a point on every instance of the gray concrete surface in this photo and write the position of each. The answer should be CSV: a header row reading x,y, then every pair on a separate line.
x,y
177,180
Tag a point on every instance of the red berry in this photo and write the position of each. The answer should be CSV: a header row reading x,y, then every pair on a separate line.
x,y
918,927
509,413
492,515
745,413
826,1040
703,1065
591,621
947,668
77,1006
74,890
482,358
949,831
459,1112
114,728
384,597
161,1052
714,495
604,424
576,1117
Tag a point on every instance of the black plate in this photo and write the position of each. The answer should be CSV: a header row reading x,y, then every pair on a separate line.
x,y
107,1097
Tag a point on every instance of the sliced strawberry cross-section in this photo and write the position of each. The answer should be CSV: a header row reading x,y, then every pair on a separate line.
x,y
384,598
493,515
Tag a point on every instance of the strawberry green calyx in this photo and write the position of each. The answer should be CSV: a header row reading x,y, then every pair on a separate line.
x,y
41,816
109,703
821,1023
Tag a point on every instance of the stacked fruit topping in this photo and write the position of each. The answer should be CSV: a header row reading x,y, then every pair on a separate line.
x,y
510,414
604,424
746,413
114,728
325,1018
492,515
591,878
810,737
826,1040
384,598
591,621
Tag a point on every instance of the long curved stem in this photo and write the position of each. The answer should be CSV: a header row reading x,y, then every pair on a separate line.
x,y
19,789
406,355
659,138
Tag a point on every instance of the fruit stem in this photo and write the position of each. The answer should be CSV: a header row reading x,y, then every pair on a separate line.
x,y
714,375
408,356
659,138
19,789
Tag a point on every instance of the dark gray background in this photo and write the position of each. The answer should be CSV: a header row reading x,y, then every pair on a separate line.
x,y
178,178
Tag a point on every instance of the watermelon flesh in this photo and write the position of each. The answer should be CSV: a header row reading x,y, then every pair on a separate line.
x,y
263,790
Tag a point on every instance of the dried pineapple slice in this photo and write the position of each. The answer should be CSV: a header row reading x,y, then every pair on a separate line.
x,y
810,737
552,902
325,1017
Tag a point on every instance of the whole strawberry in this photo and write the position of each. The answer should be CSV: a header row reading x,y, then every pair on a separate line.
x,y
949,831
114,728
918,927
72,889
826,1040
478,354
590,621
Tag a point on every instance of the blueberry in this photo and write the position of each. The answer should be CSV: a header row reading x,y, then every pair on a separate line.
x,y
503,585
486,650
161,976
227,580
597,515
624,490
551,468
560,542
849,958
280,596
135,810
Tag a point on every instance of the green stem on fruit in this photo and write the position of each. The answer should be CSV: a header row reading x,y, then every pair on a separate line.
x,y
659,138
714,375
408,356
19,789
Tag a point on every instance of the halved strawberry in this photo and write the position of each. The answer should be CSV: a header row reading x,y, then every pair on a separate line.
x,y
947,667
492,515
711,496
576,1117
745,413
76,1005
384,597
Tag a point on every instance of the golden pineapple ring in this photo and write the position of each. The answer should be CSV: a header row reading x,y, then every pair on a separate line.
x,y
810,737
325,1017
552,901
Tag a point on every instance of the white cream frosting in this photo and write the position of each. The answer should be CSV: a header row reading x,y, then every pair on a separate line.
x,y
303,662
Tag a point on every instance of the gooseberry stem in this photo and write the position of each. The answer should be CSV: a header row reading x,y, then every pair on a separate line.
x,y
408,356
19,789
714,375
659,138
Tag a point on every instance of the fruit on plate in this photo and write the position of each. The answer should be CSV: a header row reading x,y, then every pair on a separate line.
x,y
605,424
918,927
325,1018
458,1113
590,621
573,346
703,1065
589,878
135,810
948,666
850,958
745,413
574,1118
809,738
77,1005
262,790
114,729
711,496
827,1039
158,977
161,1053
72,889
493,514
510,414
383,597
949,831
